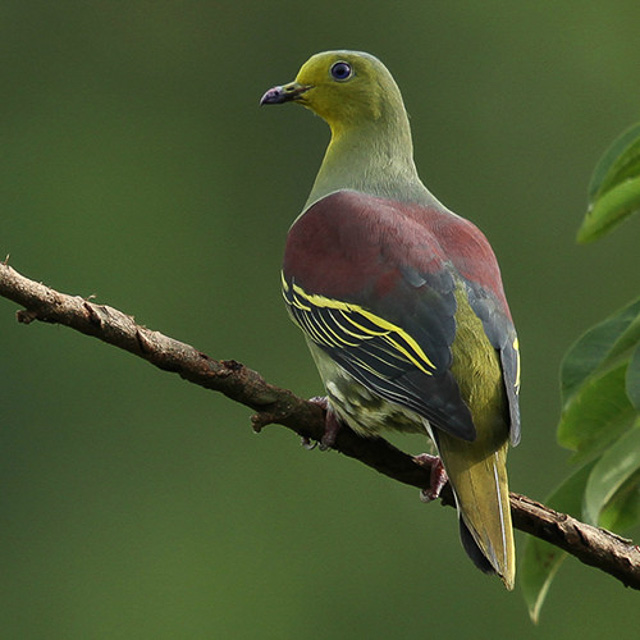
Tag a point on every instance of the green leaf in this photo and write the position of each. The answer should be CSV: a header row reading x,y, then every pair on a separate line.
x,y
626,344
598,391
606,163
633,379
617,466
609,210
541,560
600,346
614,190
623,510
596,414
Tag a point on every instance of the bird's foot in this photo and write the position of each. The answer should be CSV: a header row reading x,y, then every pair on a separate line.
x,y
331,426
308,443
438,476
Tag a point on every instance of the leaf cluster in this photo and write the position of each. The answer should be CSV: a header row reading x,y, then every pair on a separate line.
x,y
600,391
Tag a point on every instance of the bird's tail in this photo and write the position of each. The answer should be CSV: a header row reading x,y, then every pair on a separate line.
x,y
478,475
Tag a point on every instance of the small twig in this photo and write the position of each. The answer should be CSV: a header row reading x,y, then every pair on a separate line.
x,y
593,546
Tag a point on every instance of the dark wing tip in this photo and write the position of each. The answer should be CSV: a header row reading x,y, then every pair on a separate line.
x,y
473,550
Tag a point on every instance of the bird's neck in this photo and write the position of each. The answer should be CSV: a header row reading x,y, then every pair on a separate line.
x,y
375,157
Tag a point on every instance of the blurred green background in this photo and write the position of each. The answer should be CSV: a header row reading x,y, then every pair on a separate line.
x,y
136,166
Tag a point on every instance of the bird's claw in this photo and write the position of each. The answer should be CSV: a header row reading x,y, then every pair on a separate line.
x,y
331,426
308,443
438,476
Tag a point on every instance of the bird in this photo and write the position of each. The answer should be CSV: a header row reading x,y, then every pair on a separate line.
x,y
401,301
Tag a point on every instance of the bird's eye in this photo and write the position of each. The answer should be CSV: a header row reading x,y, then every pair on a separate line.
x,y
341,71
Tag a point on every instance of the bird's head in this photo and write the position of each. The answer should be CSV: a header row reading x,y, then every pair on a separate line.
x,y
345,88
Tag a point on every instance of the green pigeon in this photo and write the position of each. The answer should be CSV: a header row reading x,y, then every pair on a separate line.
x,y
401,300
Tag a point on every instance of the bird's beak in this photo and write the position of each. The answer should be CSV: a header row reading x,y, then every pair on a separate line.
x,y
286,93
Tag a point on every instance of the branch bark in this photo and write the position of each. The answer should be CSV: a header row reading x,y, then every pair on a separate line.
x,y
593,546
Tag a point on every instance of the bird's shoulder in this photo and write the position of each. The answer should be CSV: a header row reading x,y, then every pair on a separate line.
x,y
350,241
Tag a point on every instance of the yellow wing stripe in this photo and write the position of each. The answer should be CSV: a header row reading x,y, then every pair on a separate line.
x,y
321,332
309,325
284,283
361,336
367,333
516,348
337,339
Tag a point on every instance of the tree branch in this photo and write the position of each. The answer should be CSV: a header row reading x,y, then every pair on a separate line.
x,y
593,546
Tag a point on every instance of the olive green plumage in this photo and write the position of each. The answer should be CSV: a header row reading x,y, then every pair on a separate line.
x,y
477,470
401,300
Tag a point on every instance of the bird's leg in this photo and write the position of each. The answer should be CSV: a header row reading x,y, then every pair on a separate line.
x,y
332,426
438,476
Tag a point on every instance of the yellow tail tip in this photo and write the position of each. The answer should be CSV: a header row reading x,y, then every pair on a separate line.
x,y
509,580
